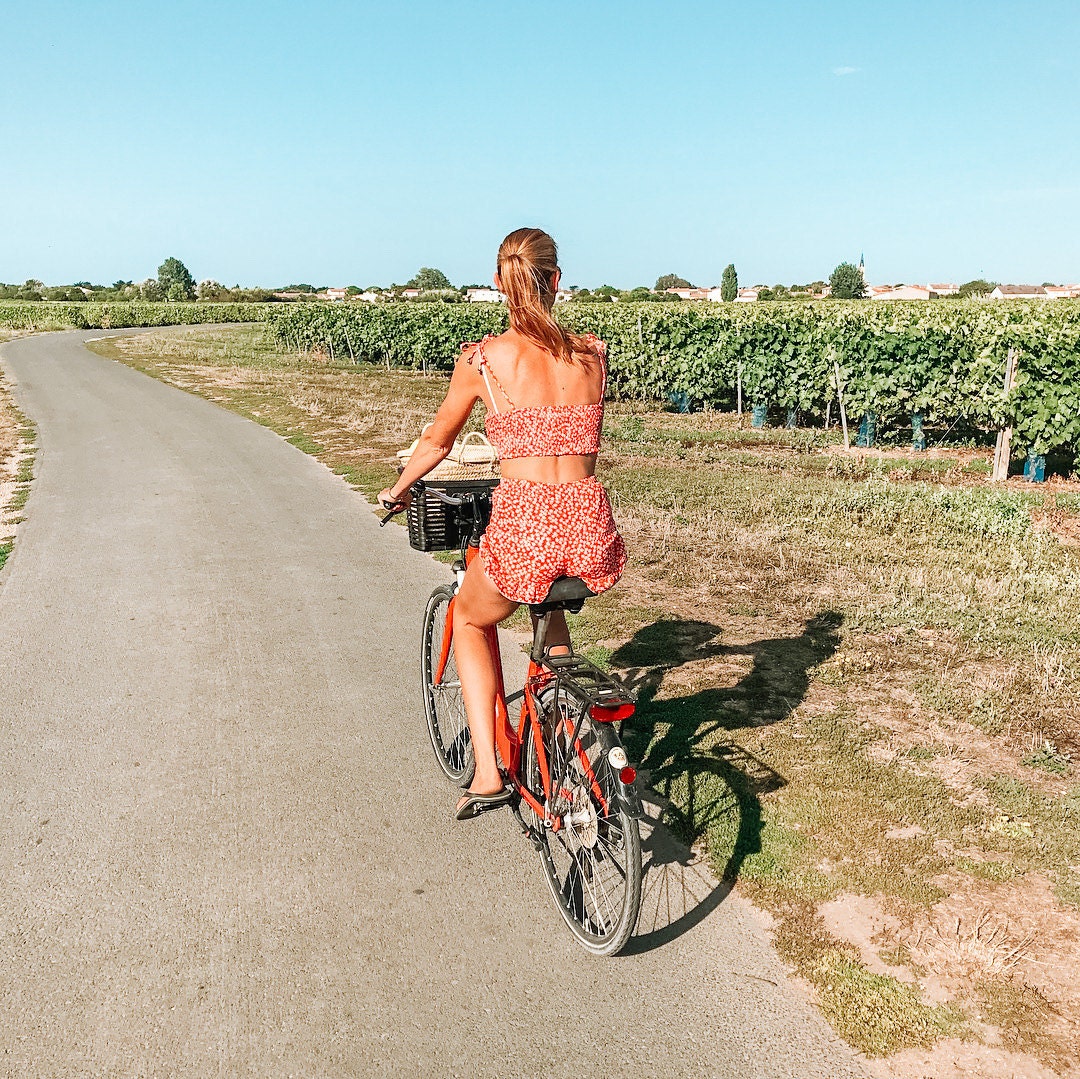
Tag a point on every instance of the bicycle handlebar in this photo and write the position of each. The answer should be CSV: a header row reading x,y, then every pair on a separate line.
x,y
468,498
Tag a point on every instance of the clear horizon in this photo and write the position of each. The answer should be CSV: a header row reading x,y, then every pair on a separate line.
x,y
355,143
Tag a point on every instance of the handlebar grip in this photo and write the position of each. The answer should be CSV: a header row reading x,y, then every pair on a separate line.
x,y
395,509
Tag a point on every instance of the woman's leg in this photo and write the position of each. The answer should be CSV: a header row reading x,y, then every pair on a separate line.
x,y
479,605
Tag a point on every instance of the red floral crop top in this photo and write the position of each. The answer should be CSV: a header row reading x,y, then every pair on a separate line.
x,y
543,430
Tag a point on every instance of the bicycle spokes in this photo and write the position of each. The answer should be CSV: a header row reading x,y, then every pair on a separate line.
x,y
591,847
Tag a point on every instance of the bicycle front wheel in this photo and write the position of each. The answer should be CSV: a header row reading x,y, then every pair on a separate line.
x,y
593,861
444,706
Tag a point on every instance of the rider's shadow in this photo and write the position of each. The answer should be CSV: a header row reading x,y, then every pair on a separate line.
x,y
685,755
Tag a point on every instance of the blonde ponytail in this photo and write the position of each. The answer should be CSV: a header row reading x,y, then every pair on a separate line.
x,y
527,264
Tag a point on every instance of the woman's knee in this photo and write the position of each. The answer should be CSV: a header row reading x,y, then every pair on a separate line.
x,y
466,614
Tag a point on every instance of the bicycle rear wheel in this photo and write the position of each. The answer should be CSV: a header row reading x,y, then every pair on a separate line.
x,y
443,704
593,862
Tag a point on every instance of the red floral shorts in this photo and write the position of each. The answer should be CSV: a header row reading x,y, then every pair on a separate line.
x,y
541,531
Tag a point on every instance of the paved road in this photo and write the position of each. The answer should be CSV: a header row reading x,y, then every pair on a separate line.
x,y
224,847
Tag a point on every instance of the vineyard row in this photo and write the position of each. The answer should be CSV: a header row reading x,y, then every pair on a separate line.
x,y
940,362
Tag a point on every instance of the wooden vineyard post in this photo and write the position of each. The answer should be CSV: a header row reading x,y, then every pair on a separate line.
x,y
840,402
1004,438
738,391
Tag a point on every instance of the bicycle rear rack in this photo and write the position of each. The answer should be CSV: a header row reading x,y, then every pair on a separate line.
x,y
592,686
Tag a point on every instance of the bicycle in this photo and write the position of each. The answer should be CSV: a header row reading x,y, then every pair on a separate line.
x,y
576,796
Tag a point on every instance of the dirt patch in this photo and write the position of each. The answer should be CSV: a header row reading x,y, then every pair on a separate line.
x,y
1007,952
954,1059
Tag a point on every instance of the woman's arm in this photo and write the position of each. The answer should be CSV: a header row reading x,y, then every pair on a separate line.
x,y
438,440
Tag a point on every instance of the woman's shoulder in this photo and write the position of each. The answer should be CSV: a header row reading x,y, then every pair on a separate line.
x,y
590,343
489,343
590,347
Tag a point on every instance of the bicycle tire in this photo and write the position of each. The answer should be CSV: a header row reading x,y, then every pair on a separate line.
x,y
593,863
444,707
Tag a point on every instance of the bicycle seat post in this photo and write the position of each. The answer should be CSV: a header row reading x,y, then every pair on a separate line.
x,y
540,637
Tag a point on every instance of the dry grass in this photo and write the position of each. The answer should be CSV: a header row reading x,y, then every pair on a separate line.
x,y
859,678
16,468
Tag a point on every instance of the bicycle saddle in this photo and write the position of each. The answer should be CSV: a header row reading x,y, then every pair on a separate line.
x,y
565,593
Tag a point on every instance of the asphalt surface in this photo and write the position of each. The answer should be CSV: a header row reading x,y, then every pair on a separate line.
x,y
225,848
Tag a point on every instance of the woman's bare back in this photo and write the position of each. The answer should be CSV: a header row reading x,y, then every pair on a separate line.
x,y
533,378
524,375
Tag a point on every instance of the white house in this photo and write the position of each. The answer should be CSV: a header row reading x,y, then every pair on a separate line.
x,y
747,295
1018,292
945,289
483,295
875,292
1062,292
335,294
689,293
905,292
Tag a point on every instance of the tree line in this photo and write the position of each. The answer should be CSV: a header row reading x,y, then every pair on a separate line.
x,y
175,283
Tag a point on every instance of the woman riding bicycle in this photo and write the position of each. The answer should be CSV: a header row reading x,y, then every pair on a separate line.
x,y
544,392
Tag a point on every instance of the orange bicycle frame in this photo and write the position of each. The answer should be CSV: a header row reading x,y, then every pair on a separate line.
x,y
508,741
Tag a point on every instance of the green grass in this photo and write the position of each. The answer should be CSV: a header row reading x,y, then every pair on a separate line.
x,y
878,1013
5,551
1049,759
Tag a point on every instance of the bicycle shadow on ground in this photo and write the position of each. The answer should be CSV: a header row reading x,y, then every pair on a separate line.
x,y
701,784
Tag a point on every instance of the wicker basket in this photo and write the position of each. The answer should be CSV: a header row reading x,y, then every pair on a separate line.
x,y
473,458
435,526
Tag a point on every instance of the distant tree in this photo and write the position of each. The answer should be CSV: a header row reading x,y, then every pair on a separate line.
x,y
428,279
729,283
670,280
211,291
441,295
978,287
581,295
151,290
175,281
847,282
777,292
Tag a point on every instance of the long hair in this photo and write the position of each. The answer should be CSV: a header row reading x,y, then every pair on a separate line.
x,y
527,263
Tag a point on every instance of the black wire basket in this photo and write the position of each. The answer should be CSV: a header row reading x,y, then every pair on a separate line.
x,y
436,526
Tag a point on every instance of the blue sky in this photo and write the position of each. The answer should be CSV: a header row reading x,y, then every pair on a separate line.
x,y
340,143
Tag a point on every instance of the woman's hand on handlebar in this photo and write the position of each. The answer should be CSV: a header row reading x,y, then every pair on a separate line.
x,y
394,503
